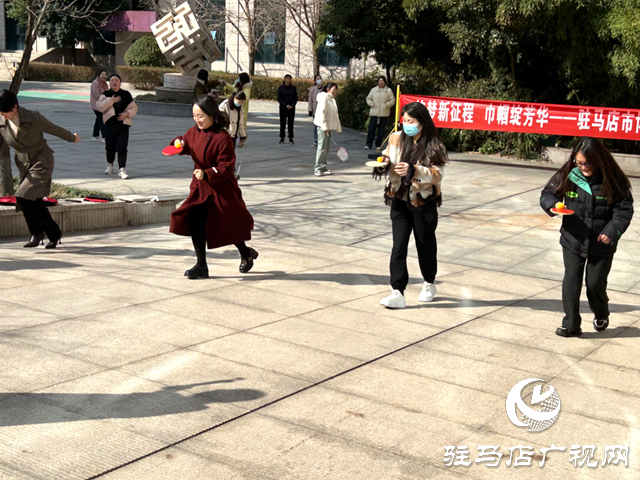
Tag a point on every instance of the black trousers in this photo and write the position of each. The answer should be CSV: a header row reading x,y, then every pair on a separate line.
x,y
197,218
98,126
376,123
38,218
286,117
117,141
423,223
598,269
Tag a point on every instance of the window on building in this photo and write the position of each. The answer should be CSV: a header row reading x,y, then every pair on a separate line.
x,y
271,45
216,24
329,56
270,50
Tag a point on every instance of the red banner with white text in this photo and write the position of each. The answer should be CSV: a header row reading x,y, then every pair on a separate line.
x,y
578,121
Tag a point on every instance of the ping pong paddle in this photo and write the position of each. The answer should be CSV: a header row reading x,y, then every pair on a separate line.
x,y
564,211
171,150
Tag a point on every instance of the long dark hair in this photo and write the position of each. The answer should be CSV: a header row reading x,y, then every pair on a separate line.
x,y
209,106
243,79
429,149
615,183
236,95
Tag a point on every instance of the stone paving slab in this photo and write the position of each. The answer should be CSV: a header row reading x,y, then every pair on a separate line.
x,y
116,366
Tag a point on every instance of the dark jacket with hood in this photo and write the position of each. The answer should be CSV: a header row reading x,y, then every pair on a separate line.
x,y
593,216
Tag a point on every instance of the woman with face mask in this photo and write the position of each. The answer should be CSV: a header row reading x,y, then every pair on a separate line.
x,y
118,109
313,104
232,107
98,87
214,214
416,164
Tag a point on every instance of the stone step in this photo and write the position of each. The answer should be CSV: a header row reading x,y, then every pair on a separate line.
x,y
79,215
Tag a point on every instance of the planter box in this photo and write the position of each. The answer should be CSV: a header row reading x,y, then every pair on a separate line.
x,y
74,217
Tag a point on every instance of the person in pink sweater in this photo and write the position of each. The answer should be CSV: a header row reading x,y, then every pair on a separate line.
x,y
98,87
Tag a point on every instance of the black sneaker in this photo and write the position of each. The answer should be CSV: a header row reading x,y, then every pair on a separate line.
x,y
291,141
563,332
600,325
281,141
246,264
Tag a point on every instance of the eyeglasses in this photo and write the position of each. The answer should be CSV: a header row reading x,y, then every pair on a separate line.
x,y
582,164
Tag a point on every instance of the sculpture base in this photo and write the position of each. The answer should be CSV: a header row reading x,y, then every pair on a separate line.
x,y
176,95
177,87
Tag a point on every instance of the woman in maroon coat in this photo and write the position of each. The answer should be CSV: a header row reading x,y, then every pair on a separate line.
x,y
214,213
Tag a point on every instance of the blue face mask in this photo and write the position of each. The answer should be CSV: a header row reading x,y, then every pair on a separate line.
x,y
411,130
237,104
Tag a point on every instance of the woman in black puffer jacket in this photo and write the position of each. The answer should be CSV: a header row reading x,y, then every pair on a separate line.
x,y
593,185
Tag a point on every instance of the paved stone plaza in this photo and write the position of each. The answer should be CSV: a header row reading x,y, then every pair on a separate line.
x,y
118,367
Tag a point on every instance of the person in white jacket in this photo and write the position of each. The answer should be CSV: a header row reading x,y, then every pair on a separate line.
x,y
380,99
233,107
326,119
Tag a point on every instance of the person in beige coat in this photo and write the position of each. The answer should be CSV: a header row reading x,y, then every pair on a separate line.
x,y
118,108
380,99
326,119
23,130
233,107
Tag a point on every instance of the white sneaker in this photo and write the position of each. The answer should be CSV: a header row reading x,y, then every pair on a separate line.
x,y
314,144
123,174
395,300
95,139
103,141
427,293
109,169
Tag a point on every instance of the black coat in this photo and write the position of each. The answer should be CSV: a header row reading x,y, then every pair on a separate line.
x,y
287,96
593,214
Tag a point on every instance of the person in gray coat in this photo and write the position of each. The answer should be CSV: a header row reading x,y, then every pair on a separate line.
x,y
23,130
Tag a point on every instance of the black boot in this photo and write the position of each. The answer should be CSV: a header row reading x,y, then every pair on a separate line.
x,y
35,241
197,271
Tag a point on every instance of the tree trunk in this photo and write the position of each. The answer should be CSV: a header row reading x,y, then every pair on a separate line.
x,y
74,55
252,62
513,66
33,26
316,60
388,70
21,71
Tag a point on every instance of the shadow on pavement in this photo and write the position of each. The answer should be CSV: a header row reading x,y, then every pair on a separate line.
x,y
96,406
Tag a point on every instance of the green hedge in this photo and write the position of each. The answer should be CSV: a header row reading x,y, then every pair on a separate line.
x,y
266,88
55,72
145,52
143,78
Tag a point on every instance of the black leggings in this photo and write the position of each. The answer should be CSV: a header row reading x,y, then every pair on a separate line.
x,y
117,141
38,218
197,218
98,126
423,224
